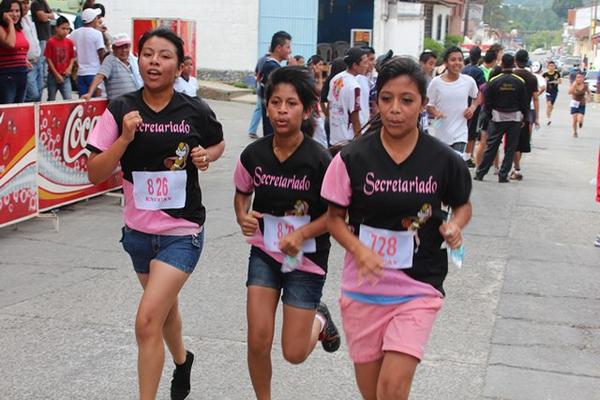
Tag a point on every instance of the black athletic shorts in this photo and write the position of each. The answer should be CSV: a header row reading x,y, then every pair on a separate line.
x,y
474,124
483,121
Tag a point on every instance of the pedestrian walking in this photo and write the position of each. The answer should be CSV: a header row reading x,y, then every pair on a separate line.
x,y
507,106
280,50
385,193
186,83
531,85
315,67
553,81
579,92
449,96
13,53
35,81
476,73
89,44
60,57
161,139
285,224
344,98
117,72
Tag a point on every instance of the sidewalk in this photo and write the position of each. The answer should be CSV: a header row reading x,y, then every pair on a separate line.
x,y
520,322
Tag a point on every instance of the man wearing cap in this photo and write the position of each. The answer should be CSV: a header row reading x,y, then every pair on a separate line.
x,y
89,45
117,71
345,98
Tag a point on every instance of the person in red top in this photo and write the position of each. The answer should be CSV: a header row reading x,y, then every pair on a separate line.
x,y
13,53
60,55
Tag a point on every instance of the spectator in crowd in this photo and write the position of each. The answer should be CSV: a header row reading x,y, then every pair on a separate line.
x,y
78,23
299,60
60,56
13,53
42,15
89,45
428,59
186,83
116,71
257,113
35,77
280,50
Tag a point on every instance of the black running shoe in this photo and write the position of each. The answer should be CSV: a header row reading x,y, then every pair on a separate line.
x,y
470,163
329,337
180,384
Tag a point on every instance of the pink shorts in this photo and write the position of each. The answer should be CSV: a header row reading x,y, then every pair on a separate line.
x,y
372,329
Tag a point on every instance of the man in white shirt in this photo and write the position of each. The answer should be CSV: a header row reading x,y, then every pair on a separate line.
x,y
449,95
89,44
345,98
186,83
35,76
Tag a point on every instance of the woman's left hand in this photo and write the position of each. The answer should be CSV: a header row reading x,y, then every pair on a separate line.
x,y
200,158
452,234
291,244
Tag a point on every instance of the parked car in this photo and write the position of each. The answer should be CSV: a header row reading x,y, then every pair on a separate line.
x,y
591,78
567,63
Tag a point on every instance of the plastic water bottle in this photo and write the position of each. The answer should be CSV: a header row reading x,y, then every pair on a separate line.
x,y
290,263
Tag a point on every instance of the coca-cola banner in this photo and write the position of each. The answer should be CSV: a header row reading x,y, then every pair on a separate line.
x,y
62,158
18,187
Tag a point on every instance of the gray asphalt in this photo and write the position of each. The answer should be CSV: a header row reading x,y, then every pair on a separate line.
x,y
521,319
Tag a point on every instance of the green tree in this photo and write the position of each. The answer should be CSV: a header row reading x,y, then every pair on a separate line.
x,y
561,7
543,39
452,40
433,45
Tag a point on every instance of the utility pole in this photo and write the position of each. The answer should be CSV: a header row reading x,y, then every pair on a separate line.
x,y
466,24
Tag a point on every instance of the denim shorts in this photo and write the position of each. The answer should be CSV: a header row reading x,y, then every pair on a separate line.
x,y
181,252
300,289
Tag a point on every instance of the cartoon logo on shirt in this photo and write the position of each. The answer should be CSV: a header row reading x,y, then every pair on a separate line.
x,y
337,88
416,223
300,209
180,161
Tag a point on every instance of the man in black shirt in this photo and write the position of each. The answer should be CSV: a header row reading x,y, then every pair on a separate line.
x,y
281,48
42,14
531,86
553,80
505,115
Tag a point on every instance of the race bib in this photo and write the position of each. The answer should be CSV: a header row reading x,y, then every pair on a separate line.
x,y
278,227
159,190
395,247
574,104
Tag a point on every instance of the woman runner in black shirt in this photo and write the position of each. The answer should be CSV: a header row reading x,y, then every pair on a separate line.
x,y
161,139
391,183
286,228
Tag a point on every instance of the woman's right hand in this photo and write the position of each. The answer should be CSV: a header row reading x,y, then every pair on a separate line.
x,y
131,121
7,19
369,264
249,222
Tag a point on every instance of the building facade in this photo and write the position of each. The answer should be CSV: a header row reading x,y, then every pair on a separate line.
x,y
232,34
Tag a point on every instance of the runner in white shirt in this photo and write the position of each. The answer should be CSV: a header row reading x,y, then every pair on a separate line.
x,y
448,101
345,98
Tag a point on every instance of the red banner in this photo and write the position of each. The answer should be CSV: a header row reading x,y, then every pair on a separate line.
x,y
62,158
18,187
186,30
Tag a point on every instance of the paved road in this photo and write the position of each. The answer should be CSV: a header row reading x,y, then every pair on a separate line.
x,y
520,319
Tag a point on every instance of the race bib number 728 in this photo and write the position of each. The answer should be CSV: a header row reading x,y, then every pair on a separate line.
x,y
395,247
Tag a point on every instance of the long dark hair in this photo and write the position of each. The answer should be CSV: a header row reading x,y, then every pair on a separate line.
x,y
395,67
305,87
5,7
165,34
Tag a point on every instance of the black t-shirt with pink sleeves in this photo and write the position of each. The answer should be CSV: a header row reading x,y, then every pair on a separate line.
x,y
163,142
381,194
288,188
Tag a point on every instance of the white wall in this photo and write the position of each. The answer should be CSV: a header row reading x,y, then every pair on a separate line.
x,y
400,29
226,31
